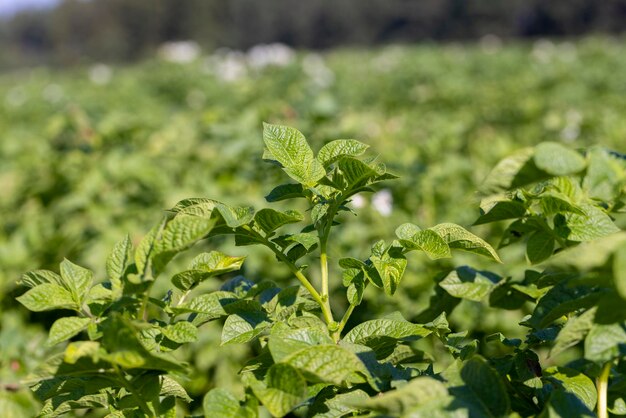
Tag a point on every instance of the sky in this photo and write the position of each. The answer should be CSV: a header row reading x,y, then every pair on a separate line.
x,y
9,7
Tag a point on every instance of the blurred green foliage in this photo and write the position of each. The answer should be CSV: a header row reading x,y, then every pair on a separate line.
x,y
90,154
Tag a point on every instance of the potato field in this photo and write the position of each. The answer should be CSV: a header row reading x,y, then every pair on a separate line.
x,y
403,231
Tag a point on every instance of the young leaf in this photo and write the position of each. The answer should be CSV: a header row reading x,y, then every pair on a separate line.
x,y
37,277
77,280
46,297
179,234
390,267
355,172
459,238
334,150
289,147
558,160
117,262
65,328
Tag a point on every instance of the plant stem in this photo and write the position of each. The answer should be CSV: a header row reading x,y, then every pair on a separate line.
x,y
345,318
602,382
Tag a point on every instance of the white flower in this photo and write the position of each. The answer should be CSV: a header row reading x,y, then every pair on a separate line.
x,y
227,65
358,201
181,52
53,93
261,56
313,65
383,202
100,74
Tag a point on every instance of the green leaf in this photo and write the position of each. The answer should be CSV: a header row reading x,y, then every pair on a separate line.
x,y
145,249
355,172
470,284
327,404
574,382
574,331
593,224
285,191
217,263
77,280
286,341
428,241
540,246
285,389
605,342
486,385
382,335
390,267
234,216
307,239
37,277
563,404
243,327
80,349
552,203
117,262
269,219
220,403
65,328
289,147
500,211
459,238
210,305
558,160
416,392
46,297
179,234
326,363
334,150
560,300
170,387
181,332
514,171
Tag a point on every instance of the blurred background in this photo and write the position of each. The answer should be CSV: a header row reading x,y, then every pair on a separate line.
x,y
63,32
113,110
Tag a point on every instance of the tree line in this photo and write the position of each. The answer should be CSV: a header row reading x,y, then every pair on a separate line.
x,y
122,30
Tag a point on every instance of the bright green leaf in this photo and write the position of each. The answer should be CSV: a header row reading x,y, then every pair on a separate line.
x,y
65,328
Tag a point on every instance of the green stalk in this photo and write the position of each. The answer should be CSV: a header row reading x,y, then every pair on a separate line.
x,y
345,318
602,383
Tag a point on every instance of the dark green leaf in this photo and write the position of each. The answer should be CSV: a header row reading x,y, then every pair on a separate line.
x,y
487,386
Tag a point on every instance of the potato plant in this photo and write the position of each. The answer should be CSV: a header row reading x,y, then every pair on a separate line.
x,y
308,361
